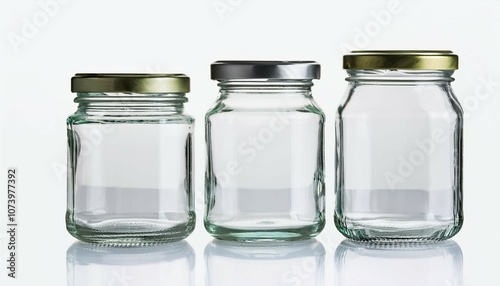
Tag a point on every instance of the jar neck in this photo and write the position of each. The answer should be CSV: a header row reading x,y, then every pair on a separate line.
x,y
255,87
131,102
400,77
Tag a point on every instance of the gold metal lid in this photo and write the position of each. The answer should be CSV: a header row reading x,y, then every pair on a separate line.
x,y
400,59
130,83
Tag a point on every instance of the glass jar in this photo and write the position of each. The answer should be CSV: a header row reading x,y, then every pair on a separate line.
x,y
265,263
158,265
399,147
396,264
264,179
129,159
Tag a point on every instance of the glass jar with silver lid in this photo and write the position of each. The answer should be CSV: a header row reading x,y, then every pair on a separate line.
x,y
264,135
130,159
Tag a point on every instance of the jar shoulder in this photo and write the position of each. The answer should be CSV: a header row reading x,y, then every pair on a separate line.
x,y
308,106
408,101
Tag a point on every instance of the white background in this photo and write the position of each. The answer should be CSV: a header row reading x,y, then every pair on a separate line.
x,y
186,36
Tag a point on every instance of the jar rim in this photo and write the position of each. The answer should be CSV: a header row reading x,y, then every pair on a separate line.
x,y
399,75
401,59
130,83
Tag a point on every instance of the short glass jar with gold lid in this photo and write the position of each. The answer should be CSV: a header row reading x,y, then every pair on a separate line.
x,y
130,159
399,147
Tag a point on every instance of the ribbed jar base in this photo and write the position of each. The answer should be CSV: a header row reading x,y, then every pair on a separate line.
x,y
131,232
394,230
255,234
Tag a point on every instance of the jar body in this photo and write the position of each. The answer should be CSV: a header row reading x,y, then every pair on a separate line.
x,y
399,157
264,178
129,171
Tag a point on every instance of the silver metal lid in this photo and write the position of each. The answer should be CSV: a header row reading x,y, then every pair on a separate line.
x,y
227,70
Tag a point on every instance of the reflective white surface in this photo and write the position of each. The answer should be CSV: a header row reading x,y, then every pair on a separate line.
x,y
169,264
293,263
398,264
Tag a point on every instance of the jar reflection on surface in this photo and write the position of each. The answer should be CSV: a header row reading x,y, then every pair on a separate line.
x,y
270,263
166,264
368,263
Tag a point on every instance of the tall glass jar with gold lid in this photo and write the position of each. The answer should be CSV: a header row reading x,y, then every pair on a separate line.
x,y
399,147
129,159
